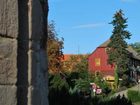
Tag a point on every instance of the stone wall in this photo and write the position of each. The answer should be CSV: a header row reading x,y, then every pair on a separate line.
x,y
23,66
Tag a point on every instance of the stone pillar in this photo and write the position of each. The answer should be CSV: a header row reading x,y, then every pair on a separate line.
x,y
23,66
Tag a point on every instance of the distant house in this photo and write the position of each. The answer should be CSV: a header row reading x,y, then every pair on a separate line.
x,y
98,62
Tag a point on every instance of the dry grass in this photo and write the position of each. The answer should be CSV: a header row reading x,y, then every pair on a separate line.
x,y
138,103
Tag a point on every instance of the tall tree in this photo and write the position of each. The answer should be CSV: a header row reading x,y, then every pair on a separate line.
x,y
54,50
117,52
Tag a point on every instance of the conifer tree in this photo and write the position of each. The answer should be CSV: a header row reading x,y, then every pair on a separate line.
x,y
118,55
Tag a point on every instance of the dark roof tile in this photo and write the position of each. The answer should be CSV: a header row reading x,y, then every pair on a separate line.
x,y
129,49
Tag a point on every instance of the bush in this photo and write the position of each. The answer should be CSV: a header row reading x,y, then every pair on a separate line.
x,y
133,95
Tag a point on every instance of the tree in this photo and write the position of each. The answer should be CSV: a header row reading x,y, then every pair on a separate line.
x,y
136,46
58,82
79,79
75,63
82,63
117,52
54,50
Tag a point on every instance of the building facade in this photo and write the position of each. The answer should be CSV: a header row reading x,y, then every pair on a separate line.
x,y
98,62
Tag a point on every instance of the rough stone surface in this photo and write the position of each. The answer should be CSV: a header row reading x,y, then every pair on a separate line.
x,y
22,92
23,66
8,66
9,18
8,95
34,45
23,20
38,67
34,65
37,96
37,20
38,89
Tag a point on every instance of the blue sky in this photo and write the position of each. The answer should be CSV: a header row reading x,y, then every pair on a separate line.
x,y
84,23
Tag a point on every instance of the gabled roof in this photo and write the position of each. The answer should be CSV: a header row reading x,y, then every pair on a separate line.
x,y
105,44
133,52
129,49
68,57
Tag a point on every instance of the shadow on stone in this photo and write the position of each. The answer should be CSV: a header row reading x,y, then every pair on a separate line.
x,y
22,57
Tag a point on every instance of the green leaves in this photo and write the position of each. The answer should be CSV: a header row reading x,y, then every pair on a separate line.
x,y
58,82
82,84
118,54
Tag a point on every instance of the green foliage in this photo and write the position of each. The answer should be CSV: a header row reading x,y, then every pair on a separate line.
x,y
83,82
133,95
58,82
126,81
54,50
117,52
98,80
136,46
79,81
116,77
76,63
80,78
74,81
82,65
82,85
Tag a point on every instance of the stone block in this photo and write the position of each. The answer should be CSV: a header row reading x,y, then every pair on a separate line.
x,y
36,20
9,18
34,67
38,96
43,60
37,67
34,96
22,92
8,95
8,61
23,19
34,45
22,64
38,89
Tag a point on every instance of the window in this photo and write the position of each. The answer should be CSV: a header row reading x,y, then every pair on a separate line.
x,y
97,62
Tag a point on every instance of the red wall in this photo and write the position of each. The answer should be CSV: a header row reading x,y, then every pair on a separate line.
x,y
104,67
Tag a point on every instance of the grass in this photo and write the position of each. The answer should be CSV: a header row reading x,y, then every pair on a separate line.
x,y
134,96
137,103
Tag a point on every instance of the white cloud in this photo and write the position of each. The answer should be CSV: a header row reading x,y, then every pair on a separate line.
x,y
94,25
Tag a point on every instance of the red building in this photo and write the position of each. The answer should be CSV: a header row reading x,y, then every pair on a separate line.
x,y
98,61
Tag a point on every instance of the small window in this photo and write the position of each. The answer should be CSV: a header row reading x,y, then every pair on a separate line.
x,y
97,62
